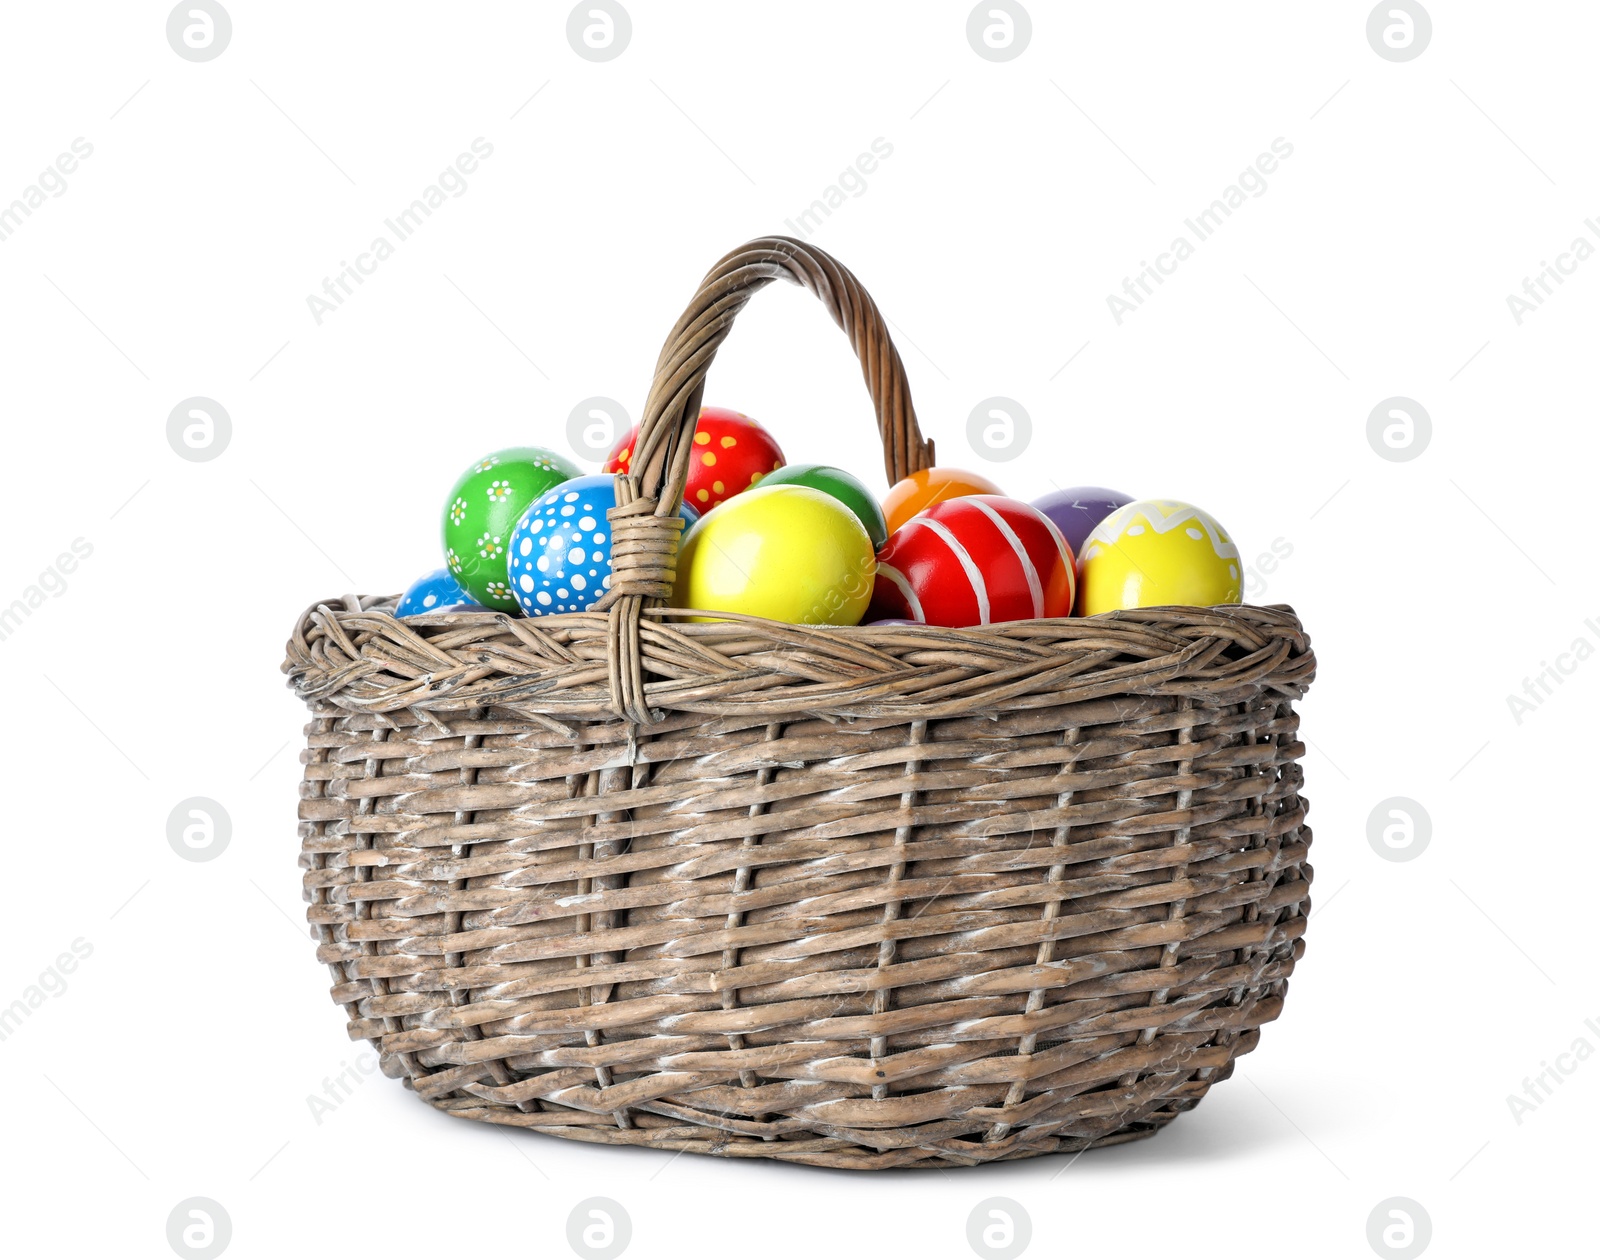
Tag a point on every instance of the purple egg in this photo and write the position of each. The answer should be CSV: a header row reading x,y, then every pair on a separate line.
x,y
1078,509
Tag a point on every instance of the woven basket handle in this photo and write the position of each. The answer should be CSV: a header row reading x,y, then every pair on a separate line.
x,y
645,524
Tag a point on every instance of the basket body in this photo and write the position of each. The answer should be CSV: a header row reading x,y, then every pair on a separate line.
x,y
867,898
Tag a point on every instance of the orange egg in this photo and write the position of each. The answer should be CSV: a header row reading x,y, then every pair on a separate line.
x,y
929,486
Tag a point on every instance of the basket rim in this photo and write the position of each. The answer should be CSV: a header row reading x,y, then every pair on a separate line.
x,y
354,654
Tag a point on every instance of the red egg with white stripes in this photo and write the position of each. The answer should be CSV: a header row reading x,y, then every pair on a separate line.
x,y
975,561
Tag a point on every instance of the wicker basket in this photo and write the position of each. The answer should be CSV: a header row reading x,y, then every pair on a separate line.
x,y
871,897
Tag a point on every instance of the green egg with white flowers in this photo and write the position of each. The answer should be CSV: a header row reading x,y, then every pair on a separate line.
x,y
483,508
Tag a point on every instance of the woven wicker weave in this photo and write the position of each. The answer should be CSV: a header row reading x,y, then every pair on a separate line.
x,y
873,897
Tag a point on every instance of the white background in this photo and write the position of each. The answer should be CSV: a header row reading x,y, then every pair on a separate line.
x,y
180,1059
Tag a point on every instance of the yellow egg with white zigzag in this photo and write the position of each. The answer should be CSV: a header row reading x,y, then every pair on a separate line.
x,y
1153,552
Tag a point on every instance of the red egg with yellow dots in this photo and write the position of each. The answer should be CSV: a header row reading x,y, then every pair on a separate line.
x,y
975,561
731,453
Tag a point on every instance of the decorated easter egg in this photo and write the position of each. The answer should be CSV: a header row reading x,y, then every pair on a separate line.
x,y
484,504
1157,551
787,553
842,486
924,488
433,593
1079,509
731,453
975,561
560,551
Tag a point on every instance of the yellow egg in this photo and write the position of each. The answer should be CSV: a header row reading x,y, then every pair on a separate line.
x,y
1153,552
786,553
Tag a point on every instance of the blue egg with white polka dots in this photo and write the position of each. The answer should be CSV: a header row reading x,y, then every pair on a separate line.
x,y
433,593
560,552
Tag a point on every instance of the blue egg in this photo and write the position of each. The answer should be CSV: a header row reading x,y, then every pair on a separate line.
x,y
560,551
435,592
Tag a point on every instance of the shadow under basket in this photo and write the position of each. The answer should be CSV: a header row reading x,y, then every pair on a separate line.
x,y
861,897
